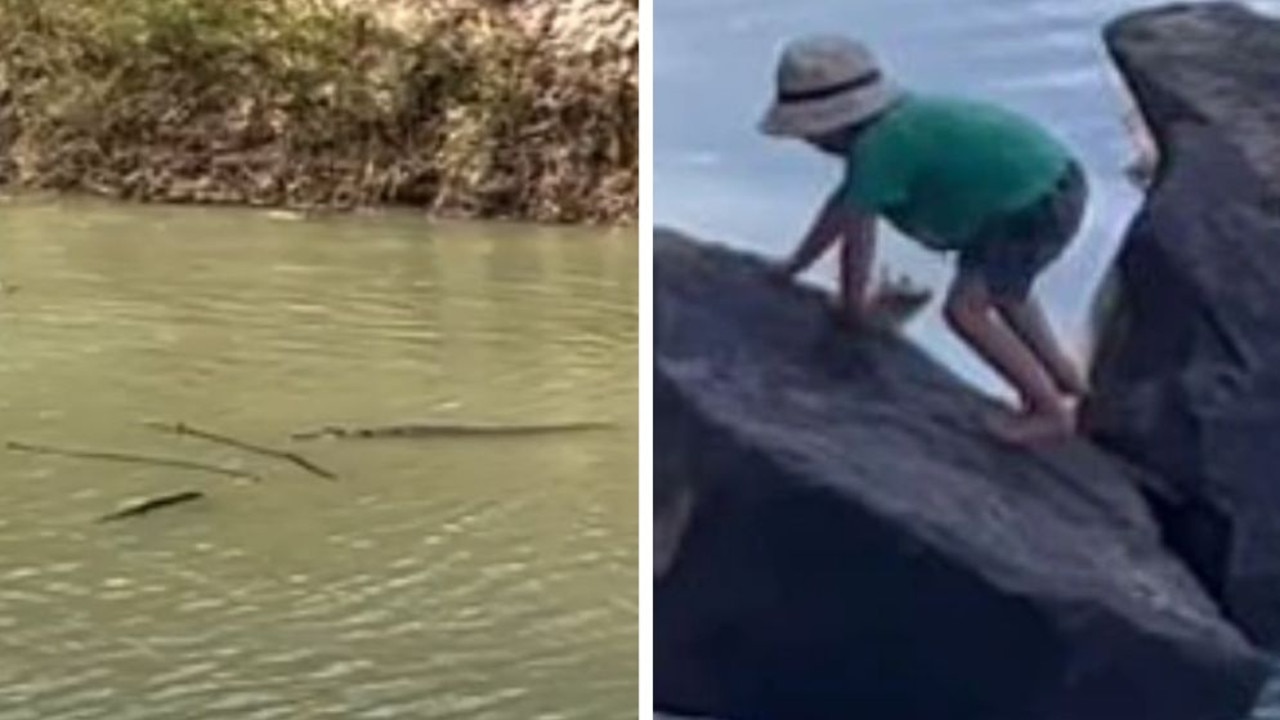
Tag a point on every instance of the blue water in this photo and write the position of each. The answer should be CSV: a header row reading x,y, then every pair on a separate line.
x,y
713,69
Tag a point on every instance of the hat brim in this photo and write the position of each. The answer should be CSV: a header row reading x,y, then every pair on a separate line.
x,y
811,118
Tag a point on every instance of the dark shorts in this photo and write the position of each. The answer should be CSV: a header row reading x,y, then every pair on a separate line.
x,y
1009,251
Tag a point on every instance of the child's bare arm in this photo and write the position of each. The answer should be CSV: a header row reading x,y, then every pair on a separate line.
x,y
856,259
826,229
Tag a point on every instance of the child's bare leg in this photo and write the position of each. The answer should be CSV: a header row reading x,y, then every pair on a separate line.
x,y
1028,320
971,313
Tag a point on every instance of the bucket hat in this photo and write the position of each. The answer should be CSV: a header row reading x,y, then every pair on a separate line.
x,y
824,83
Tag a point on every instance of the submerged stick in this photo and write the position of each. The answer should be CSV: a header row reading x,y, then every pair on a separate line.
x,y
132,459
147,506
181,428
446,431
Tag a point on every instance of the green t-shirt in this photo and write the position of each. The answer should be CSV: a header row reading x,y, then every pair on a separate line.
x,y
938,168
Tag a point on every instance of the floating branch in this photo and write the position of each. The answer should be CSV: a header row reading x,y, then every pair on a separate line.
x,y
132,459
147,506
446,431
180,428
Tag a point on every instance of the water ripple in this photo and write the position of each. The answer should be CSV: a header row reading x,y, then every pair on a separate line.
x,y
436,579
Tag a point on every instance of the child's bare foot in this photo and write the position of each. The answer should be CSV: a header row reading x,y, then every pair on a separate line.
x,y
1037,425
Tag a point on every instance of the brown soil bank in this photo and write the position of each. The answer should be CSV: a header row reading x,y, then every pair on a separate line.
x,y
463,107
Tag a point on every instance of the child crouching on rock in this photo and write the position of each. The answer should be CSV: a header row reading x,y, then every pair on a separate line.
x,y
957,176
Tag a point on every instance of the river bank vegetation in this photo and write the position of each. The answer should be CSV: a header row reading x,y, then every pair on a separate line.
x,y
463,108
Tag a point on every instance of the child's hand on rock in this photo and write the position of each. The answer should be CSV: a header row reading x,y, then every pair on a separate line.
x,y
878,313
896,306
894,303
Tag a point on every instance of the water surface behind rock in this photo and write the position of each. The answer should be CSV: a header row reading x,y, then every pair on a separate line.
x,y
465,577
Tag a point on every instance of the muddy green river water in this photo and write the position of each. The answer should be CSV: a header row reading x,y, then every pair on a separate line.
x,y
439,577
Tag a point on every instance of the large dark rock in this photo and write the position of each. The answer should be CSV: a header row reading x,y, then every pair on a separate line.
x,y
1188,375
858,546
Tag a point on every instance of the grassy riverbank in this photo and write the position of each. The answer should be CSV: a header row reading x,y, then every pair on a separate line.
x,y
456,107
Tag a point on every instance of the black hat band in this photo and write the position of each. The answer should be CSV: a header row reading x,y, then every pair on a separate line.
x,y
822,93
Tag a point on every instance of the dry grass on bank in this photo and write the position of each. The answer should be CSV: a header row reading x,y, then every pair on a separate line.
x,y
312,103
